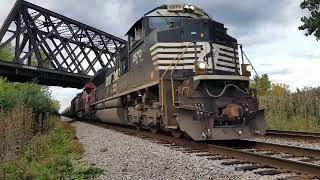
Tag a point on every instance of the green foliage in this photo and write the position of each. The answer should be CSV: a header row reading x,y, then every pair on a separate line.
x,y
47,157
294,111
279,90
85,172
55,106
311,23
284,110
295,123
8,95
6,53
264,87
262,84
34,61
32,95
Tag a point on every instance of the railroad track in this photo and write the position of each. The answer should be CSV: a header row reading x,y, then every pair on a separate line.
x,y
294,134
244,155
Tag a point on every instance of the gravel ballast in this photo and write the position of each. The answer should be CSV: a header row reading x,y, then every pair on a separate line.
x,y
126,157
289,142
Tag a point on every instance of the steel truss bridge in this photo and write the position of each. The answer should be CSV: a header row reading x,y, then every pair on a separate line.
x,y
52,48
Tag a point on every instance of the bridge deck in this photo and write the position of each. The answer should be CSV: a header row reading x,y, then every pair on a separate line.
x,y
23,73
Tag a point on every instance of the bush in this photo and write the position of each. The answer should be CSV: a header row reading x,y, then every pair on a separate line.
x,y
34,96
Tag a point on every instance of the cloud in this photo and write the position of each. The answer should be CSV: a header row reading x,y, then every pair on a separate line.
x,y
309,56
63,95
279,71
250,21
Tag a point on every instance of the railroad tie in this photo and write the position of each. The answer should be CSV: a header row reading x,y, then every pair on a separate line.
x,y
250,167
268,172
216,158
228,163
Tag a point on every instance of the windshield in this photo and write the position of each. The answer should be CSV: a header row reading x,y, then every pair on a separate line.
x,y
161,22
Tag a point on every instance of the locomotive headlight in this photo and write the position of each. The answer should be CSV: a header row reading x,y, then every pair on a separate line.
x,y
246,69
249,68
202,65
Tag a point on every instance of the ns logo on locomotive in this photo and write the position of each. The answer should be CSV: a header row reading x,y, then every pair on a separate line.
x,y
179,72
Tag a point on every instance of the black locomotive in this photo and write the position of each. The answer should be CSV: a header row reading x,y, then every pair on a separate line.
x,y
179,72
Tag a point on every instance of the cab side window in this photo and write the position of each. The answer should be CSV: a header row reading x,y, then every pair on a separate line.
x,y
138,31
136,34
123,66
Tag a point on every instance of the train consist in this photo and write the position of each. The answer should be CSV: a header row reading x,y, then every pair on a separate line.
x,y
179,72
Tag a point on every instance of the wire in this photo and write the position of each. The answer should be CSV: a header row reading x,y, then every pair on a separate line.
x,y
254,69
224,90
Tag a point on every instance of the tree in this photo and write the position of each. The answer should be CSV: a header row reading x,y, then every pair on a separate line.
x,y
34,61
311,23
6,53
35,96
279,90
32,95
8,95
261,83
55,106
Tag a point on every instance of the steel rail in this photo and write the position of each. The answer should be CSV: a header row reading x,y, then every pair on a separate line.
x,y
297,151
299,167
294,134
305,169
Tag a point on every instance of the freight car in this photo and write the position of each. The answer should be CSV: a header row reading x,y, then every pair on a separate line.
x,y
179,72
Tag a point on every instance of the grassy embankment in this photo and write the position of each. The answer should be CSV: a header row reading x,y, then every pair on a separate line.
x,y
299,111
53,153
33,143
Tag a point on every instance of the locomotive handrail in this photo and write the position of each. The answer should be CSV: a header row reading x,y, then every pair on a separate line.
x,y
171,79
161,79
244,54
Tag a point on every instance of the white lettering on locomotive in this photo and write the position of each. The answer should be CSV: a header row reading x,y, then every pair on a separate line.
x,y
137,56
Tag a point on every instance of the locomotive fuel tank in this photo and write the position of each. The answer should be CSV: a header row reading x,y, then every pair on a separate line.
x,y
111,111
112,115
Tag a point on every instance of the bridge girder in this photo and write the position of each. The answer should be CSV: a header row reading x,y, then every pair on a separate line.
x,y
45,41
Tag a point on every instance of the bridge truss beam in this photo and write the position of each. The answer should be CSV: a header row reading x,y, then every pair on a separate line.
x,y
47,42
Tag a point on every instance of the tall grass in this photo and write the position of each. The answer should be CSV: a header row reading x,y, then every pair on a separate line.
x,y
54,154
17,127
299,111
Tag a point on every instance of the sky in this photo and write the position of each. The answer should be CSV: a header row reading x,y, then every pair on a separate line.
x,y
268,30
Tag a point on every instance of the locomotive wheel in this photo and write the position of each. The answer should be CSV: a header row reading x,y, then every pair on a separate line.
x,y
154,130
137,127
176,134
